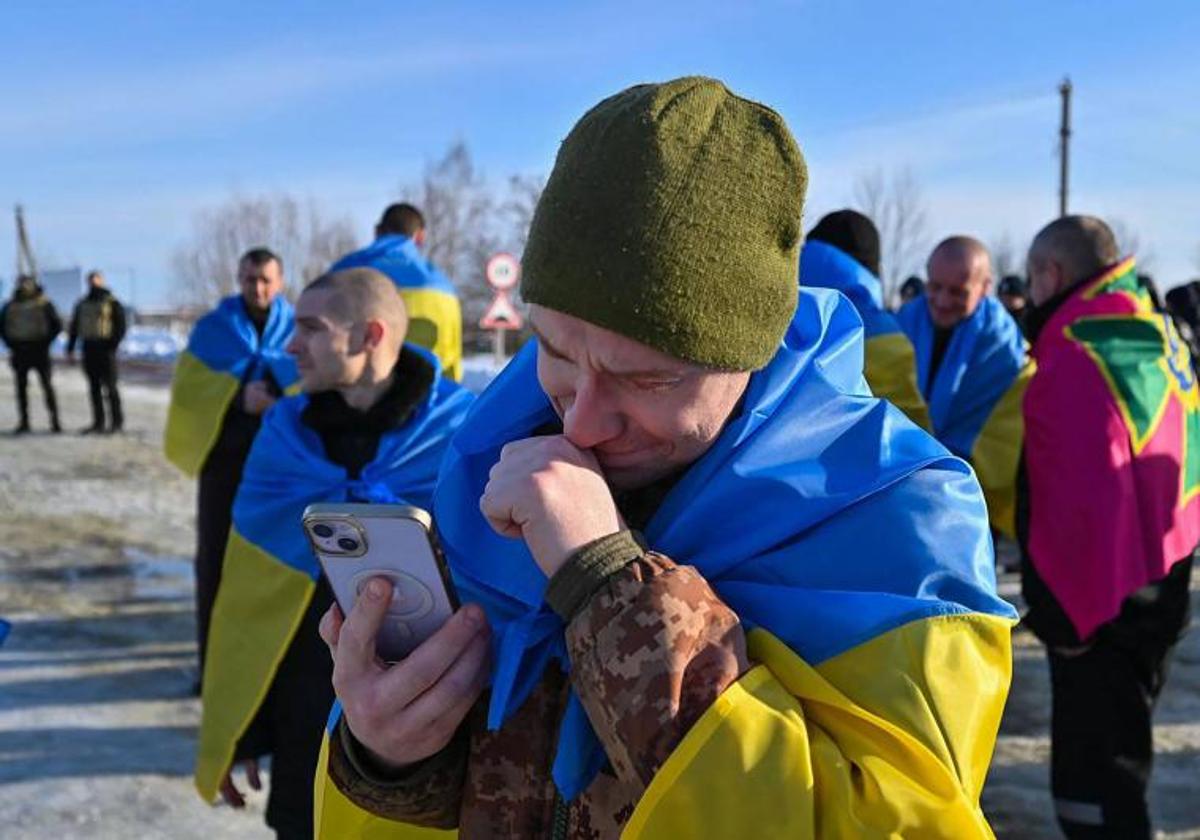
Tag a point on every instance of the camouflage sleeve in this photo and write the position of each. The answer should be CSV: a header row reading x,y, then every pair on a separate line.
x,y
651,648
428,793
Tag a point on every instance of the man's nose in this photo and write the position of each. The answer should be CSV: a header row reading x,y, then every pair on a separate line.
x,y
593,417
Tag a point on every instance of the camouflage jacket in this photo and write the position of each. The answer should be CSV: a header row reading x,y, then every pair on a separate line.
x,y
651,648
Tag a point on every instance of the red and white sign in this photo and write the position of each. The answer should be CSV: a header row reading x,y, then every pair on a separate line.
x,y
503,271
501,315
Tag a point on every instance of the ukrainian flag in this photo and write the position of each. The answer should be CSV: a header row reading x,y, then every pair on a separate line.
x,y
434,313
975,399
269,571
891,365
862,569
224,351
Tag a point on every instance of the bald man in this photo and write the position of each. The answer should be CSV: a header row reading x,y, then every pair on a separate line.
x,y
371,424
1109,516
972,368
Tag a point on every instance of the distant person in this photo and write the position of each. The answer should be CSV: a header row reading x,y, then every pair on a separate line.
x,y
1109,517
233,370
99,322
1183,305
842,253
371,426
1013,292
972,368
912,287
434,312
28,325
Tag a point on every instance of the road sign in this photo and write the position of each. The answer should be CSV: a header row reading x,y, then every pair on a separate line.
x,y
501,315
503,271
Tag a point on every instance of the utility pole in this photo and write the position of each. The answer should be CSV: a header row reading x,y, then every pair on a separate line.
x,y
1064,135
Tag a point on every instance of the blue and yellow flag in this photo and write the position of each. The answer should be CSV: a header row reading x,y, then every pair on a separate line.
x,y
269,573
862,528
434,313
891,365
224,352
975,398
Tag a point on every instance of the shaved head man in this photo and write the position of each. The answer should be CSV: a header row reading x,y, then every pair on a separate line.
x,y
370,426
1110,519
970,357
960,274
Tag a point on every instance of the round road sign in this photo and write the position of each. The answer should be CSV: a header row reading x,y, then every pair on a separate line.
x,y
503,271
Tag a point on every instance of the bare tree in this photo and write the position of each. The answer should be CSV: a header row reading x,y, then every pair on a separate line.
x,y
1129,243
1007,258
896,206
523,194
206,266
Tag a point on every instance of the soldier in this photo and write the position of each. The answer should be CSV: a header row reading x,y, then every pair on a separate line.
x,y
99,321
28,325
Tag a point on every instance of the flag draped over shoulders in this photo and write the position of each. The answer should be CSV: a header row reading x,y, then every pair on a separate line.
x,y
890,365
224,352
861,522
269,570
1112,450
975,396
434,312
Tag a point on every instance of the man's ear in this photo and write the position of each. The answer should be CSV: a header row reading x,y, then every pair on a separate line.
x,y
373,332
419,238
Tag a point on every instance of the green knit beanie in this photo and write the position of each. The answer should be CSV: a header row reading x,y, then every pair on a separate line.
x,y
672,217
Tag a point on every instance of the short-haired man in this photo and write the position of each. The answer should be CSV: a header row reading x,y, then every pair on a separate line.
x,y
99,322
29,323
372,425
675,388
1013,292
972,368
842,253
434,312
1109,516
233,370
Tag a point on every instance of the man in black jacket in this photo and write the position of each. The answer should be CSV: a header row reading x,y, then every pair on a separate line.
x,y
99,322
29,324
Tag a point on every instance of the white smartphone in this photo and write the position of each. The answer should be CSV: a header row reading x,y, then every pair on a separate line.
x,y
357,542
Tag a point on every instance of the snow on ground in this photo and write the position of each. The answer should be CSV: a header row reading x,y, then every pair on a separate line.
x,y
97,724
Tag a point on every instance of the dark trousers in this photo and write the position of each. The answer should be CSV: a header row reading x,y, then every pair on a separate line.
x,y
1101,729
291,723
100,367
214,514
22,364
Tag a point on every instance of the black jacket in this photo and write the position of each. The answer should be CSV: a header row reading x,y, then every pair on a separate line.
x,y
98,295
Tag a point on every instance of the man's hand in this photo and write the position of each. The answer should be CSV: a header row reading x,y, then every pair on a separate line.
x,y
257,398
552,494
229,791
411,710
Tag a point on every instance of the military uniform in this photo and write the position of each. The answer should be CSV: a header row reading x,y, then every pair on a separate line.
x,y
28,325
99,322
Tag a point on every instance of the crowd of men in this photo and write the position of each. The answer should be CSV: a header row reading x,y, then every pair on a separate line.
x,y
723,533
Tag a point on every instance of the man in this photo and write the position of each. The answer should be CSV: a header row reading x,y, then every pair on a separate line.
x,y
1014,295
99,320
667,393
842,253
372,425
233,370
912,287
1109,518
29,324
434,313
972,368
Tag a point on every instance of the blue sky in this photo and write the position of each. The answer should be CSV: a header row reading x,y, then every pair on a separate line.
x,y
119,121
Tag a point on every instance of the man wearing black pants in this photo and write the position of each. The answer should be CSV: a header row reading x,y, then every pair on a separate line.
x,y
99,322
29,324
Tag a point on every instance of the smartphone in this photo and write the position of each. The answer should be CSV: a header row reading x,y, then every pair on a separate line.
x,y
357,542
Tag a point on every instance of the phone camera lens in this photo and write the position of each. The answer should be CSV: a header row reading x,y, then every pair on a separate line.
x,y
347,544
323,531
